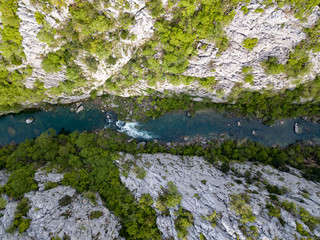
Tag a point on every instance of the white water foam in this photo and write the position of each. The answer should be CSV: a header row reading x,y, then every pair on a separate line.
x,y
131,129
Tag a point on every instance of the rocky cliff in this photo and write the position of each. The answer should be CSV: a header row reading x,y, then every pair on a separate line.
x,y
114,60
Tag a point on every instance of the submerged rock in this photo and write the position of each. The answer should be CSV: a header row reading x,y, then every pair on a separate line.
x,y
11,131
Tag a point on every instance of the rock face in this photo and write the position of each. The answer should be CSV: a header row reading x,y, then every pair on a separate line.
x,y
50,219
206,189
276,29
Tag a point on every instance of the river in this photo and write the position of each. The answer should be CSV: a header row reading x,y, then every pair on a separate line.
x,y
170,127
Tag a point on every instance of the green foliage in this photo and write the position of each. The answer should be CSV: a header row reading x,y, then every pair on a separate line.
x,y
53,62
250,43
312,41
191,22
297,64
269,106
272,66
208,82
274,189
240,204
11,39
140,172
3,203
300,229
46,35
259,10
247,69
170,198
245,10
182,222
94,153
308,219
65,200
92,64
50,185
20,221
213,218
20,182
155,7
273,211
202,237
95,214
249,78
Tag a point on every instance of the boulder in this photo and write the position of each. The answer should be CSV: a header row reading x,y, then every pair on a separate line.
x,y
29,120
79,109
297,128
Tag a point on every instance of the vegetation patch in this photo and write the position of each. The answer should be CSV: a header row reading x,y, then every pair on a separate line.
x,y
20,221
183,221
240,204
170,198
250,43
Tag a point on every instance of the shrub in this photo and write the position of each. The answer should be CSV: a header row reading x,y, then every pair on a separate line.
x,y
213,218
207,82
92,64
249,78
95,214
170,198
245,10
50,185
3,203
140,172
273,211
53,62
259,10
65,200
20,221
247,69
300,229
239,204
20,182
46,35
182,222
250,43
155,7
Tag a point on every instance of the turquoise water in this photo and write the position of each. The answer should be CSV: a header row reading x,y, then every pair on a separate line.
x,y
170,127
13,127
211,124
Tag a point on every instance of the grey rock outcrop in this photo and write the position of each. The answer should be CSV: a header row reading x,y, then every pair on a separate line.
x,y
50,219
204,189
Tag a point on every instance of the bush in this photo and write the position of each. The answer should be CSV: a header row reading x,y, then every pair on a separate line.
x,y
50,185
65,200
239,204
170,198
249,78
92,64
245,10
20,221
213,218
250,43
300,229
53,62
140,172
3,203
20,182
182,222
95,214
